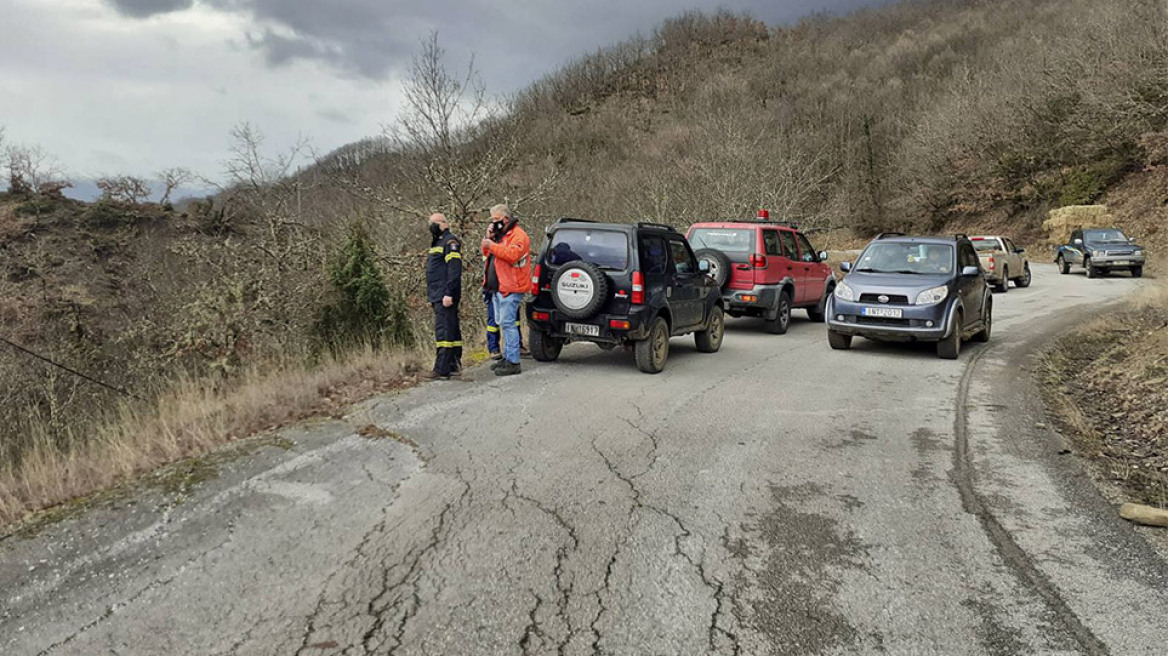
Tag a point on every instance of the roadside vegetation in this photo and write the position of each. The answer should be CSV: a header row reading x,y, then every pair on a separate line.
x,y
1108,384
923,116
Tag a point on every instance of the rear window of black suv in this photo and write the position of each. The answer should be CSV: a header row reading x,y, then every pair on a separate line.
x,y
607,249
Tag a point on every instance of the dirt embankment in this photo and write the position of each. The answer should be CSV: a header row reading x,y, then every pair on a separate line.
x,y
1108,385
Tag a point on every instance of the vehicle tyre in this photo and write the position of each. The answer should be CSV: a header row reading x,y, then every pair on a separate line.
x,y
984,335
719,265
782,320
1063,265
1026,279
950,347
1137,272
653,351
816,314
1092,272
839,341
710,339
580,290
543,346
1003,286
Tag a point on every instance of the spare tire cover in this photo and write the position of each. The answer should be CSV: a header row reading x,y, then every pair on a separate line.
x,y
719,265
579,289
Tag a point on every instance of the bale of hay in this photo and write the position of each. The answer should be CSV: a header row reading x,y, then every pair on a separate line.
x,y
1065,220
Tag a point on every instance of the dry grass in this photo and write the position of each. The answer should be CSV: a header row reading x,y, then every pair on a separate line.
x,y
188,420
1106,383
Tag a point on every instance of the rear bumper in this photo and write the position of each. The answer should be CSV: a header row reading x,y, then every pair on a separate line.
x,y
912,327
760,298
639,322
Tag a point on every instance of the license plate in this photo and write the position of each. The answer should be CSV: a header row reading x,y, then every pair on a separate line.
x,y
884,313
582,329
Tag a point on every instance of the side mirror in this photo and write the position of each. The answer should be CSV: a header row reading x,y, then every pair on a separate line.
x,y
822,256
970,271
1019,250
704,266
845,266
1078,242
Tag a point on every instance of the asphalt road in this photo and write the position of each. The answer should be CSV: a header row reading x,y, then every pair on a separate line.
x,y
774,498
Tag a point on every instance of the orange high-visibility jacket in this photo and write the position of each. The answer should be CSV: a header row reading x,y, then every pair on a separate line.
x,y
512,261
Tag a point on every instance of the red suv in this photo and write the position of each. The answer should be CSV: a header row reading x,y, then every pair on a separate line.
x,y
765,268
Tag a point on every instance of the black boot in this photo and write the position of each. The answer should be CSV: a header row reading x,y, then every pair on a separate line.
x,y
507,368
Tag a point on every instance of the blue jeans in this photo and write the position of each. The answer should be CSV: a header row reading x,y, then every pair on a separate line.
x,y
493,332
507,316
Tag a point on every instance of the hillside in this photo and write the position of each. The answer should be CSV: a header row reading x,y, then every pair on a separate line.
x,y
937,115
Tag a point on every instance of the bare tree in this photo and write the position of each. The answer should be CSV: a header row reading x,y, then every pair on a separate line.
x,y
124,188
269,188
450,147
173,178
32,169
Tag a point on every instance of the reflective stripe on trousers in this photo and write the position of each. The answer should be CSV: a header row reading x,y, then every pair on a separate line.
x,y
447,339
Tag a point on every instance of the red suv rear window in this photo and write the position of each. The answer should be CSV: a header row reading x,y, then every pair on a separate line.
x,y
731,241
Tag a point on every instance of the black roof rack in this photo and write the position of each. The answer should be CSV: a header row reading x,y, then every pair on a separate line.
x,y
660,226
886,235
787,224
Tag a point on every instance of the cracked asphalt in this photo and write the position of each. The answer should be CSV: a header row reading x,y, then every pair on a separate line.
x,y
775,498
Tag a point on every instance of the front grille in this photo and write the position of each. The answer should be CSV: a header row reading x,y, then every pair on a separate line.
x,y
892,298
883,321
1118,253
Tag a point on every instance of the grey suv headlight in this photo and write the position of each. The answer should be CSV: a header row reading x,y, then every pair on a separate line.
x,y
845,293
1098,254
931,296
1138,253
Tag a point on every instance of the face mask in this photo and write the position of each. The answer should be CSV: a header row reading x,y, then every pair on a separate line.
x,y
436,230
498,226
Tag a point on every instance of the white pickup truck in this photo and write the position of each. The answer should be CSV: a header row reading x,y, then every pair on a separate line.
x,y
1002,262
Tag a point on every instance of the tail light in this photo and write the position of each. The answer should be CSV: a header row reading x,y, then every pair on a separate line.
x,y
619,324
536,273
638,296
758,261
992,264
541,316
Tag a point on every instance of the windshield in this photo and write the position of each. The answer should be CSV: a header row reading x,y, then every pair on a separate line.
x,y
906,258
1109,235
983,245
606,249
727,240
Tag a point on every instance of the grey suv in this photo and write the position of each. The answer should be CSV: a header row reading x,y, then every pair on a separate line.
x,y
926,289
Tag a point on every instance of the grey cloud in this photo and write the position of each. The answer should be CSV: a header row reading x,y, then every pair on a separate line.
x,y
147,8
513,41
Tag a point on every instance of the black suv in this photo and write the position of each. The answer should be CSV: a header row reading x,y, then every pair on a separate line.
x,y
614,284
929,289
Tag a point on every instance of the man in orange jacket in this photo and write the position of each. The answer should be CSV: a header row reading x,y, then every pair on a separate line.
x,y
509,279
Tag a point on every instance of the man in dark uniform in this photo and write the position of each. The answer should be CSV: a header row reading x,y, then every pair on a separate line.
x,y
444,291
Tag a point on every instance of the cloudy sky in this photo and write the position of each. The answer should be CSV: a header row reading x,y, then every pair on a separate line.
x,y
132,86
